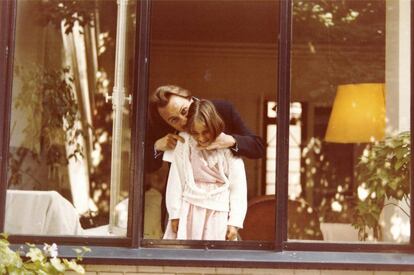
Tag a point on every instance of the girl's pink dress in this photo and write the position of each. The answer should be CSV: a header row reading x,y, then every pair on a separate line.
x,y
198,223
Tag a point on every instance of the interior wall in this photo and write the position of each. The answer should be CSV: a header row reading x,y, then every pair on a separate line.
x,y
246,75
243,74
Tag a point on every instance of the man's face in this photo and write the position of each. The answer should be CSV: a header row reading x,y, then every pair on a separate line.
x,y
175,112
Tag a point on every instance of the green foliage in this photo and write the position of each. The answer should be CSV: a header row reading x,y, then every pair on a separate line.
x,y
48,100
334,33
68,11
48,96
37,261
382,173
328,182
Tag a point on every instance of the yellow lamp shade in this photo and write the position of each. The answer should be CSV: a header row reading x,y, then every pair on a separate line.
x,y
358,114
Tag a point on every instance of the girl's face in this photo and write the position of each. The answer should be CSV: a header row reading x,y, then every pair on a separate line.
x,y
201,133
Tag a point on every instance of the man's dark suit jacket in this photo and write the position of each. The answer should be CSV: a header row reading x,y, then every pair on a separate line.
x,y
249,145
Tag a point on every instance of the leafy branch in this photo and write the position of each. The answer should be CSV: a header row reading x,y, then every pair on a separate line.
x,y
48,102
69,12
33,260
382,173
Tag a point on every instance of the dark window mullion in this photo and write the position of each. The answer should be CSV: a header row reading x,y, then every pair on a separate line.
x,y
136,208
411,129
7,30
282,145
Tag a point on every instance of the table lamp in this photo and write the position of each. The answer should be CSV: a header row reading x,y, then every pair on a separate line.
x,y
358,114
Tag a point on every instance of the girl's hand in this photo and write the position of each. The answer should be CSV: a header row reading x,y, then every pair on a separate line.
x,y
174,225
222,141
231,233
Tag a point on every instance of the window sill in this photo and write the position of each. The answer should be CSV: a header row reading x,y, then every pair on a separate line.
x,y
245,258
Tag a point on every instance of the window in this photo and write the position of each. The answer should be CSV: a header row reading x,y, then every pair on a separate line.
x,y
344,182
230,56
69,146
295,133
331,180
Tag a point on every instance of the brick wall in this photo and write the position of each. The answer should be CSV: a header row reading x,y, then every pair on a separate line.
x,y
169,270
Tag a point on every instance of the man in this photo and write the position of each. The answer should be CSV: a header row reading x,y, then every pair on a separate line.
x,y
168,115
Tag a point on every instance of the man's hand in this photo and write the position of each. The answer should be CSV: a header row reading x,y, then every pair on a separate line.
x,y
222,141
167,142
174,225
231,234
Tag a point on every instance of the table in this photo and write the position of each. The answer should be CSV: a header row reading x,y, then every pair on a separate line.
x,y
40,213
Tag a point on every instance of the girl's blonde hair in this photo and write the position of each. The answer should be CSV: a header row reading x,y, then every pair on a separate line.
x,y
203,110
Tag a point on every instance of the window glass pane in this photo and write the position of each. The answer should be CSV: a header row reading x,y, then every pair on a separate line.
x,y
223,50
351,76
60,159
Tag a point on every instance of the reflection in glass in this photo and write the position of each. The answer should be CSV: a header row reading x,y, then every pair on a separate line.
x,y
355,121
61,127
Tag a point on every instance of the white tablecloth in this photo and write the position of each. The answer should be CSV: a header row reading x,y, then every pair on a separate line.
x,y
339,232
40,213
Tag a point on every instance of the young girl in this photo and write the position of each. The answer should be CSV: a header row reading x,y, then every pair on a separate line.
x,y
206,190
